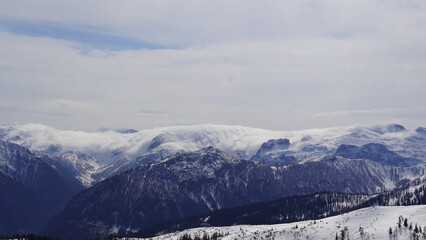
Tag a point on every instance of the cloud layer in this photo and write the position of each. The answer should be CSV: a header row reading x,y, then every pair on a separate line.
x,y
274,65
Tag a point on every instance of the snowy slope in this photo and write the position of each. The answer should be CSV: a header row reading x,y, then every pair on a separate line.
x,y
111,152
30,189
367,223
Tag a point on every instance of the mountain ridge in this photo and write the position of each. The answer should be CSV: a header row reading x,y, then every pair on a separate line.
x,y
111,152
40,188
186,184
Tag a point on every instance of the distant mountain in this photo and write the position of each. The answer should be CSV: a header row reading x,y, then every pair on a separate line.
x,y
188,184
273,153
32,190
421,130
94,156
391,128
107,153
376,152
120,130
79,165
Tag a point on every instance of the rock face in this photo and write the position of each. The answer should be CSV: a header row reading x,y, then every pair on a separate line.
x,y
273,153
375,152
32,189
273,145
188,184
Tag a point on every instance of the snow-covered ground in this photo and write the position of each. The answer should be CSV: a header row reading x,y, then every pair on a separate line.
x,y
368,223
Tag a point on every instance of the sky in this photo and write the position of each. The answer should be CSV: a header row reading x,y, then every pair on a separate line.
x,y
278,65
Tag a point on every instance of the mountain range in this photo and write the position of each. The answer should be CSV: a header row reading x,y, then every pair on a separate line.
x,y
94,156
188,184
136,180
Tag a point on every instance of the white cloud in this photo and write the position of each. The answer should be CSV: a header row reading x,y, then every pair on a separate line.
x,y
66,103
274,65
188,21
347,113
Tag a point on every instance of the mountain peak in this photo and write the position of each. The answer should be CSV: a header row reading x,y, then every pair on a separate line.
x,y
421,130
390,128
204,157
376,152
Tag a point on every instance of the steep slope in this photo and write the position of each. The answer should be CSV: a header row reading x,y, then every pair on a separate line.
x,y
180,186
34,176
22,210
188,184
79,165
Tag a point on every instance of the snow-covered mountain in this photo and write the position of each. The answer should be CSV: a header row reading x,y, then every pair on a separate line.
x,y
377,152
188,184
32,190
94,156
146,177
368,223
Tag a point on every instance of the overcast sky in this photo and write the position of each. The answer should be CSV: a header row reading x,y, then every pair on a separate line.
x,y
278,65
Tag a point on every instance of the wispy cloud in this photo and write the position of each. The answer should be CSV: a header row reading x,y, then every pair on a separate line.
x,y
68,103
90,36
8,110
152,112
349,113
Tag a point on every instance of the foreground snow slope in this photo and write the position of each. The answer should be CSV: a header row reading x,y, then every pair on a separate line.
x,y
374,222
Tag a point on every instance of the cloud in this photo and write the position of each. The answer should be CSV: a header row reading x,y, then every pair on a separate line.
x,y
11,110
90,36
274,65
152,112
349,113
67,103
205,22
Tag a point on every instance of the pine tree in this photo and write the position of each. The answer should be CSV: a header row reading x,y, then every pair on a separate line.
x,y
406,222
400,219
390,230
185,236
206,236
